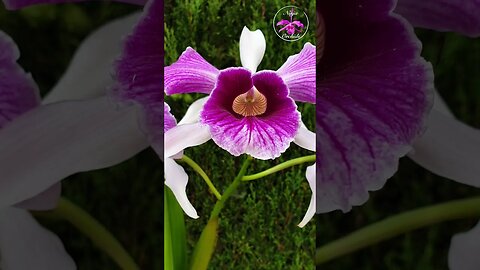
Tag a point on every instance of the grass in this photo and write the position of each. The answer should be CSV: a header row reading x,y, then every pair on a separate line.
x,y
258,225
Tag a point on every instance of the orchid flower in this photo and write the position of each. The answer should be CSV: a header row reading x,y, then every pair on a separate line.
x,y
463,253
374,94
374,98
20,235
139,83
247,111
390,42
290,25
175,176
70,123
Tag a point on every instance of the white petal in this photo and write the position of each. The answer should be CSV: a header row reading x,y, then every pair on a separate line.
x,y
54,141
311,207
91,70
464,250
193,112
450,149
176,179
183,136
252,48
440,105
46,200
305,138
24,244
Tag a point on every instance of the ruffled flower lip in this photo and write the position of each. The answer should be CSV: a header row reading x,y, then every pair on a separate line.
x,y
264,136
242,86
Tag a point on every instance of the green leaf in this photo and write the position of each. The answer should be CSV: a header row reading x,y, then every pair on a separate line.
x,y
175,243
205,246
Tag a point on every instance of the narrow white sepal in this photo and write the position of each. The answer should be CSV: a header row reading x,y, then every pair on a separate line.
x,y
440,105
24,244
193,112
177,179
252,48
464,250
184,136
90,72
310,174
46,200
450,149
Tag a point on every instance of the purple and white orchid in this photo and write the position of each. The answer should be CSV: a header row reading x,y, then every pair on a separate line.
x,y
246,111
20,235
175,176
373,97
374,92
70,123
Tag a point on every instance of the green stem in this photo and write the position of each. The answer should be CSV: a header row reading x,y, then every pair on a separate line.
x,y
230,189
89,226
279,167
397,225
202,173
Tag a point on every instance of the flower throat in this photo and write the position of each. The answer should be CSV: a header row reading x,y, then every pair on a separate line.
x,y
250,103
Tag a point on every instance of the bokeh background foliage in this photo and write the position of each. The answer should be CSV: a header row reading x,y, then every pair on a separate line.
x,y
258,227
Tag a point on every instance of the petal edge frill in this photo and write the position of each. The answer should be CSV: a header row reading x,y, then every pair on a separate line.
x,y
18,91
264,136
372,100
139,72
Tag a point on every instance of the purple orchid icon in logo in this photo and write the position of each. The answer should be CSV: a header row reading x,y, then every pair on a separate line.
x,y
291,26
290,23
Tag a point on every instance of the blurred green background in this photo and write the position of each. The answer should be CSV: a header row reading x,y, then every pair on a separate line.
x,y
258,226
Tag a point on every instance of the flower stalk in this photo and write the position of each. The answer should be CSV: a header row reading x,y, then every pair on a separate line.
x,y
279,167
230,189
396,225
91,228
205,246
202,173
